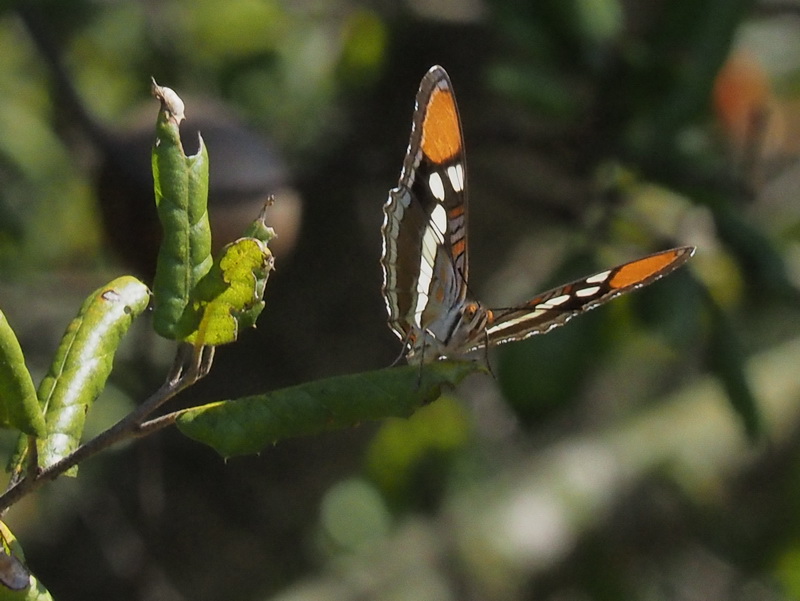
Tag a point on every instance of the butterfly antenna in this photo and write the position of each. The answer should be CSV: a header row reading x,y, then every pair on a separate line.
x,y
463,279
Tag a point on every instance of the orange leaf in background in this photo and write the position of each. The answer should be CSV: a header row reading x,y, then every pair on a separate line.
x,y
746,107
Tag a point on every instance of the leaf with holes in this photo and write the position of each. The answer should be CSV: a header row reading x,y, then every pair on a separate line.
x,y
229,298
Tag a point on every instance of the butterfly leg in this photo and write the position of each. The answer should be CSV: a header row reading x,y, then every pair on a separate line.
x,y
408,343
486,354
400,356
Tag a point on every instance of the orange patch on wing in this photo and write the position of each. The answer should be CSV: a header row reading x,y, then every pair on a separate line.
x,y
455,212
441,132
459,248
638,271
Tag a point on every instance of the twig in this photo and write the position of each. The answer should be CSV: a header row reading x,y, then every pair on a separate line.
x,y
159,423
132,425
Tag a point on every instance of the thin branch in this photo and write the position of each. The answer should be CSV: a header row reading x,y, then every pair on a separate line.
x,y
183,374
159,423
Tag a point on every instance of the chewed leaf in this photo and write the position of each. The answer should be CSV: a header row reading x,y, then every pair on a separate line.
x,y
259,228
19,407
247,425
228,298
181,189
82,363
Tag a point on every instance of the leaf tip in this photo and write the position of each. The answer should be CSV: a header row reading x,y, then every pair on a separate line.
x,y
259,228
170,101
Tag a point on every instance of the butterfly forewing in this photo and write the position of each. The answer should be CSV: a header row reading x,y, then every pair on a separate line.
x,y
555,307
424,232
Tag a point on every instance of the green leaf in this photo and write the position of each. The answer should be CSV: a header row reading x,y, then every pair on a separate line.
x,y
81,365
229,298
247,425
19,407
181,189
16,582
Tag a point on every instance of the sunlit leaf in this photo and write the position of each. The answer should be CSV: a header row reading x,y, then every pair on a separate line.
x,y
19,407
229,298
247,425
259,230
82,363
181,189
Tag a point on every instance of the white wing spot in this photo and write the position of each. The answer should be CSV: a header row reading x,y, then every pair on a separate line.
x,y
426,270
429,249
598,278
431,240
439,219
422,302
455,173
436,185
512,322
584,292
555,301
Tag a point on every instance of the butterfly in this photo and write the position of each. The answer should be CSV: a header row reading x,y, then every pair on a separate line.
x,y
424,260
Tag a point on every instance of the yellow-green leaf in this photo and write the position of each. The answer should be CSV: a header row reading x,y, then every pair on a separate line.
x,y
82,364
229,298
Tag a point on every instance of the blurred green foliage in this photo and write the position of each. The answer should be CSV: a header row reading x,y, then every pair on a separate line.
x,y
410,459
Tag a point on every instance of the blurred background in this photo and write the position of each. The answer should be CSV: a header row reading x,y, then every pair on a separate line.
x,y
648,450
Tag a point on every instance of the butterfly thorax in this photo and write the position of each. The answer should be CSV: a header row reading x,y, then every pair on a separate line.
x,y
460,330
